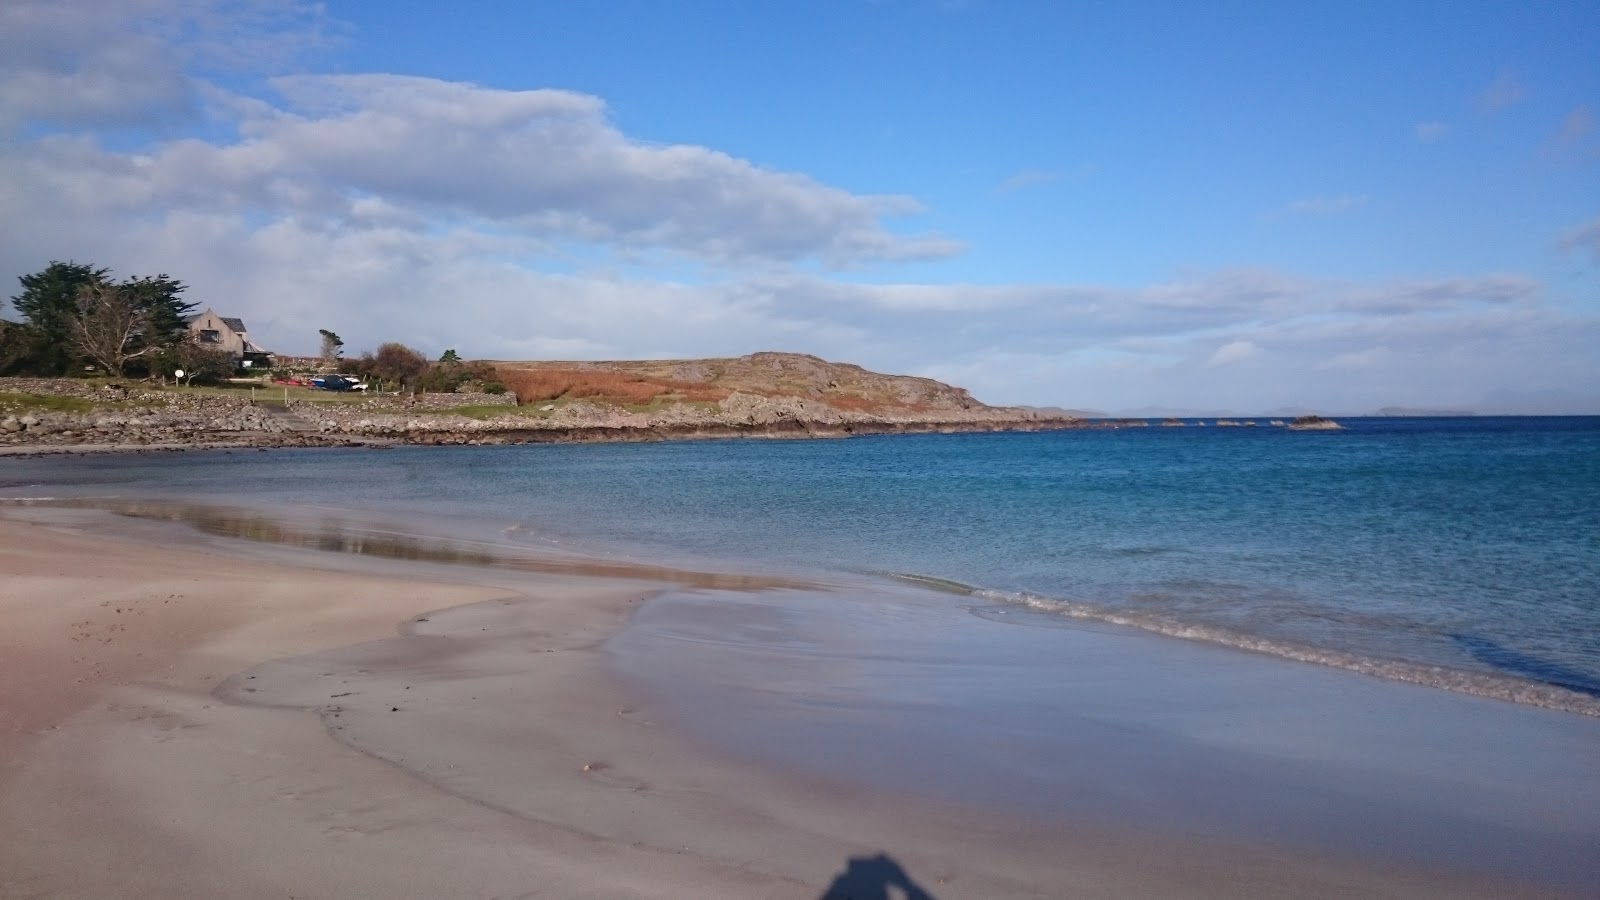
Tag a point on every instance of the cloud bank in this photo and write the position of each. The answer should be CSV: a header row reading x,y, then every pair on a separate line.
x,y
526,223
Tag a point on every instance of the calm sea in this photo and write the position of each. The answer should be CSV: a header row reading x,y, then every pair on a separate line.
x,y
1460,552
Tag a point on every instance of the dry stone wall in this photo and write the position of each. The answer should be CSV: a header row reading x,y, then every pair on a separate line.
x,y
136,415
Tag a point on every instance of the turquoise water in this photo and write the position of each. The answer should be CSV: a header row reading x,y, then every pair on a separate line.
x,y
1459,552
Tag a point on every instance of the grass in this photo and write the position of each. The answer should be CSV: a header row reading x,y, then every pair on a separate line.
x,y
492,411
326,398
50,402
851,401
269,393
662,401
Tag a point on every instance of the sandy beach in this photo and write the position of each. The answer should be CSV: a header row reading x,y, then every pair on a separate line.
x,y
192,722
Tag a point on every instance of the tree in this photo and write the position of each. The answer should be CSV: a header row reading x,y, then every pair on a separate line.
x,y
450,356
109,325
18,344
198,362
398,363
169,316
448,376
332,346
48,302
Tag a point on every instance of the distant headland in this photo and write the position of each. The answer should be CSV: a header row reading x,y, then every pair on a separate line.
x,y
767,394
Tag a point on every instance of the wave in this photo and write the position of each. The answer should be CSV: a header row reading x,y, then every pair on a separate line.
x,y
1568,694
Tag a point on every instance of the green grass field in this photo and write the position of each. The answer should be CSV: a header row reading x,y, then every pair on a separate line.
x,y
12,402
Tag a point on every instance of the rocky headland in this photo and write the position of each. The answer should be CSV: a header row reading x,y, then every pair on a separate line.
x,y
766,395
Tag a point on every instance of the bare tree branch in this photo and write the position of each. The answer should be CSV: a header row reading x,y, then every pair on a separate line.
x,y
107,325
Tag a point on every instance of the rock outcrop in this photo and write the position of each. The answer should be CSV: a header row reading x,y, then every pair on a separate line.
x,y
66,413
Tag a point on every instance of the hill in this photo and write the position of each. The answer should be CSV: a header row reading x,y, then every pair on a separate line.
x,y
760,395
842,387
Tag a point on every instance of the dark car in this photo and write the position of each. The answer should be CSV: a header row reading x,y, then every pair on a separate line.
x,y
337,383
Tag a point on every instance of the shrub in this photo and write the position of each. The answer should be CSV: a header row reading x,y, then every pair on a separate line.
x,y
603,385
398,363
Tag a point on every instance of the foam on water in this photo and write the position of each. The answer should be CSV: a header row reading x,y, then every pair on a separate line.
x,y
1457,553
1582,696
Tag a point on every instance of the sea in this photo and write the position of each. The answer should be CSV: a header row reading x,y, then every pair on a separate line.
x,y
1458,552
1380,641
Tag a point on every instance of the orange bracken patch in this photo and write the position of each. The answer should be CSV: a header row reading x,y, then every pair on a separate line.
x,y
552,383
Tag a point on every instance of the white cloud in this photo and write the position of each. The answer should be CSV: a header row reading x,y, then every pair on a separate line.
x,y
543,162
1346,367
71,62
1576,125
1583,237
1233,352
1505,90
490,295
1428,132
1027,178
1438,295
524,223
129,62
1216,299
1369,358
344,149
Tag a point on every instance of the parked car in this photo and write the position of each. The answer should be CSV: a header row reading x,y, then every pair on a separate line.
x,y
338,383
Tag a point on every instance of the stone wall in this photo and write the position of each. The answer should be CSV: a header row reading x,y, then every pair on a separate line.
x,y
131,414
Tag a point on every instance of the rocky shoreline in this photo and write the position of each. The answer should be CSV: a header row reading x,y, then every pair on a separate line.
x,y
129,417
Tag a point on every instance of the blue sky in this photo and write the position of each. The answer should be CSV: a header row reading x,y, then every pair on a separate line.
x,y
1244,206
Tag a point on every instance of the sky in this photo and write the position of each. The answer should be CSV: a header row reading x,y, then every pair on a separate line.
x,y
1131,206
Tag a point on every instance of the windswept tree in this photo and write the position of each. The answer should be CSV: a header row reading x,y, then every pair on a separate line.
x,y
53,303
48,303
110,326
450,356
169,315
332,346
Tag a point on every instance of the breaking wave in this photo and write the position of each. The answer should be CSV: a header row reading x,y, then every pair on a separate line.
x,y
1570,692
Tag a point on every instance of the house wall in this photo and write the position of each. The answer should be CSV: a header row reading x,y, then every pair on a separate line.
x,y
227,339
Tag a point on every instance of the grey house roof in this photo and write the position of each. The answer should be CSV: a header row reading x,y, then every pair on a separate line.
x,y
236,324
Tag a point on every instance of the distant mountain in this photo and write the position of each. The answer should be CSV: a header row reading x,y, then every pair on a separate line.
x,y
1415,412
1173,412
1058,412
1178,412
770,375
1556,402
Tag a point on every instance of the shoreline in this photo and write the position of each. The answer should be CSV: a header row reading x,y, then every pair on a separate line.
x,y
43,413
272,528
137,769
504,436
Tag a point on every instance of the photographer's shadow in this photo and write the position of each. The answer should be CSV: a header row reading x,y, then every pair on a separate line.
x,y
870,878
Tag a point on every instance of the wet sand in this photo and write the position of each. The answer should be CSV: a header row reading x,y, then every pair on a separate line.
x,y
1024,714
197,722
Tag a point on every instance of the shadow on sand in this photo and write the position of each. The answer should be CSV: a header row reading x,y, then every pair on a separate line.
x,y
870,878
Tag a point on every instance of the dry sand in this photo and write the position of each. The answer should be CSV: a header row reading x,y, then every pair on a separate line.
x,y
183,723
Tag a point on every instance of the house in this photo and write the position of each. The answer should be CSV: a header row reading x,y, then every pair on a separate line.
x,y
229,335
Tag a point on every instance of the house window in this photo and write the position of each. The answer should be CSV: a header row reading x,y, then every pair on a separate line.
x,y
210,336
